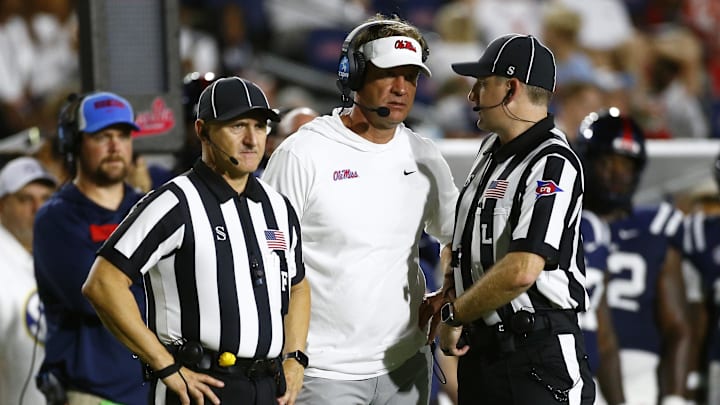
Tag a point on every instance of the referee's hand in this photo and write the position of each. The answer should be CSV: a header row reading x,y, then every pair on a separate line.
x,y
449,337
188,385
294,374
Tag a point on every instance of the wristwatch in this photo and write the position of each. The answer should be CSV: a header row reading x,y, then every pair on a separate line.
x,y
298,355
447,315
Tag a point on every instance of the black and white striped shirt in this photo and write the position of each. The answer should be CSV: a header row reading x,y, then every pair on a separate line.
x,y
217,265
524,196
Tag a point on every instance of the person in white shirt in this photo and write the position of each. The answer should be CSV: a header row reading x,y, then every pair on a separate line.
x,y
24,187
365,187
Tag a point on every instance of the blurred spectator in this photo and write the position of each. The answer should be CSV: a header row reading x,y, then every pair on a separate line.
x,y
54,29
199,51
573,102
290,121
292,20
494,18
451,114
561,26
237,50
605,27
420,12
24,187
671,108
291,96
193,85
456,39
16,64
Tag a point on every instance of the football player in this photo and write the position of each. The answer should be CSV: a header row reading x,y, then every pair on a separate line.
x,y
645,289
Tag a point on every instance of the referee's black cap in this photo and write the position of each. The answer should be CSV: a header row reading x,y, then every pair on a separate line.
x,y
521,56
230,97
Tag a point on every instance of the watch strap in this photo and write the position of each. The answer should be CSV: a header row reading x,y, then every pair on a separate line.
x,y
298,355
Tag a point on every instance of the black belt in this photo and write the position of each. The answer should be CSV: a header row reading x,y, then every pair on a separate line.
x,y
198,358
523,327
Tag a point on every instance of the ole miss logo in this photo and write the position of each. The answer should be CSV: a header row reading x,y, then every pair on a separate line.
x,y
404,44
546,188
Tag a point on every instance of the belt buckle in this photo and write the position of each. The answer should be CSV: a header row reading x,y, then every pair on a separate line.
x,y
255,368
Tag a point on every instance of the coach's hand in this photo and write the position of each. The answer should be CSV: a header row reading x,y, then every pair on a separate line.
x,y
429,308
294,374
188,385
449,337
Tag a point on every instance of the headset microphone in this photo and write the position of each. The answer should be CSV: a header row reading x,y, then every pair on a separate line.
x,y
231,158
503,101
381,111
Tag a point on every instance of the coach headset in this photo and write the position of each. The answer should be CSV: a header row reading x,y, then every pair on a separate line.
x,y
68,135
352,65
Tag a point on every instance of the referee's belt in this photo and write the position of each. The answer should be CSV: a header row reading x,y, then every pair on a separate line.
x,y
198,358
522,328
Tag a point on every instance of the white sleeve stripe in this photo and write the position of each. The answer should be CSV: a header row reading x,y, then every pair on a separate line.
x,y
165,246
658,223
150,216
687,232
556,223
673,223
697,230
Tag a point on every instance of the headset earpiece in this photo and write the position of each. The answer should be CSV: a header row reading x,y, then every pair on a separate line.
x,y
68,133
352,64
509,94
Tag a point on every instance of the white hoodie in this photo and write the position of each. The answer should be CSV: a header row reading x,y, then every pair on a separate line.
x,y
362,209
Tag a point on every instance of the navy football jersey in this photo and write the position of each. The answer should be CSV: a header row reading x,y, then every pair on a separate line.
x,y
639,243
596,240
701,242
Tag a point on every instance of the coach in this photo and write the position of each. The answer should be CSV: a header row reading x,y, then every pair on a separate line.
x,y
517,259
220,254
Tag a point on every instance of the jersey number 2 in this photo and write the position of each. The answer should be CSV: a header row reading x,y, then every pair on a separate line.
x,y
623,293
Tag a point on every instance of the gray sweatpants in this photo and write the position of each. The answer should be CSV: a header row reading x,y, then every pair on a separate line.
x,y
407,385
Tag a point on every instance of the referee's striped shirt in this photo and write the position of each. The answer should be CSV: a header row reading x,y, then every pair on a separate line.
x,y
524,196
217,265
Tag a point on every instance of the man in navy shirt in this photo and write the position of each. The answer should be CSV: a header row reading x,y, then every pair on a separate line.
x,y
83,361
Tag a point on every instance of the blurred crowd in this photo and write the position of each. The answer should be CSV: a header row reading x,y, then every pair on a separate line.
x,y
657,59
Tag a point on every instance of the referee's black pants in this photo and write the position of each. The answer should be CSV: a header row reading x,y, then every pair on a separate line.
x,y
542,369
238,390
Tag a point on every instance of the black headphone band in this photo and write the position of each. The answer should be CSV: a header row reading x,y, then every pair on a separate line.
x,y
350,54
68,127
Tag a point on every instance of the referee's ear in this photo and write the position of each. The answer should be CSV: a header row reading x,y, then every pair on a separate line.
x,y
200,129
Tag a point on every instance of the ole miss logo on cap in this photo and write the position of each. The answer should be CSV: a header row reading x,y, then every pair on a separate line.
x,y
545,188
403,44
108,103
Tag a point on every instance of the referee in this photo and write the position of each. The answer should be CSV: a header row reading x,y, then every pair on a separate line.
x,y
517,256
220,255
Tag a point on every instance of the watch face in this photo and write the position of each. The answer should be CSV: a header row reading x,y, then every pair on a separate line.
x,y
302,358
298,355
446,312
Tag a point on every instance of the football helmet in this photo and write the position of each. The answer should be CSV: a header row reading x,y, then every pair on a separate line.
x,y
602,137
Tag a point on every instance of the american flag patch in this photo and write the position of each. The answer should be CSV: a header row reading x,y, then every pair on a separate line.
x,y
496,189
275,239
